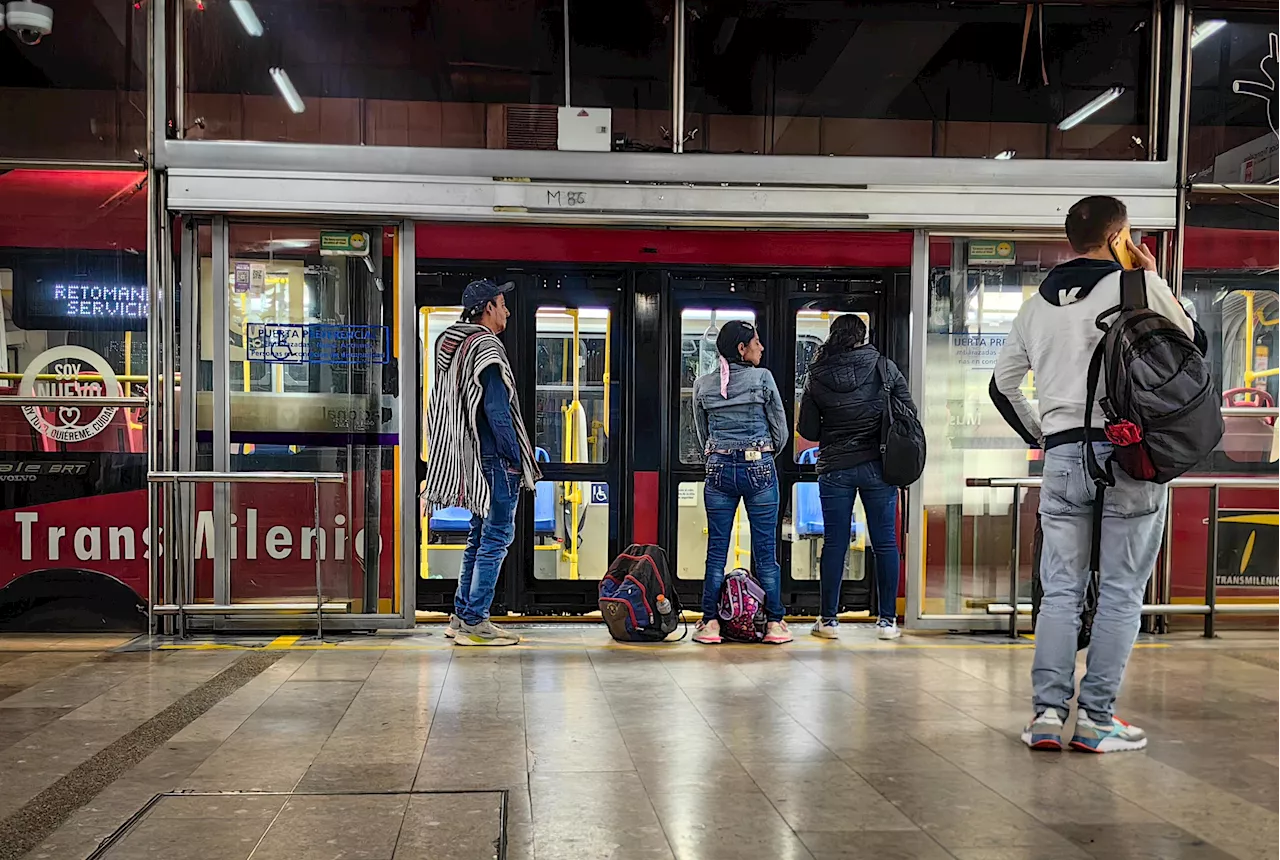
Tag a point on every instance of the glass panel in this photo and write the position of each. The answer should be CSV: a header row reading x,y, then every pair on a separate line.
x,y
80,94
73,316
1230,138
572,404
1230,285
311,390
774,78
812,327
444,530
691,534
559,553
975,290
698,330
488,74
805,531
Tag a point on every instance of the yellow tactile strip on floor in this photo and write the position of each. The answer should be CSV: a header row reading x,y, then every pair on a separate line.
x,y
232,825
48,810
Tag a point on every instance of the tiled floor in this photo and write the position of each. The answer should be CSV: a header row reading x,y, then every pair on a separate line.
x,y
815,750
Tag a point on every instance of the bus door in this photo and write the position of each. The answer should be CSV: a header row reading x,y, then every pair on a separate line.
x,y
572,392
811,306
698,307
443,530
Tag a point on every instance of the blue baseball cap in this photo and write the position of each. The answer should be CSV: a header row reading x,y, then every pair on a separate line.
x,y
479,292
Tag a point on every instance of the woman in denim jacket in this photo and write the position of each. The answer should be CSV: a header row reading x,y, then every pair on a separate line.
x,y
742,427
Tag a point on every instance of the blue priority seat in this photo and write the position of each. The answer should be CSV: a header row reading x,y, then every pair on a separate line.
x,y
458,520
808,520
544,501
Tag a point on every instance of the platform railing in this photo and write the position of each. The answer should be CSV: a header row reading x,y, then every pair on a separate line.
x,y
1209,609
178,542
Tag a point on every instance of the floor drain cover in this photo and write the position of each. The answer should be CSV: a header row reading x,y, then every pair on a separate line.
x,y
405,825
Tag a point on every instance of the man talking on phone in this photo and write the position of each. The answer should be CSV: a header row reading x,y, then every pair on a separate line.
x,y
1053,336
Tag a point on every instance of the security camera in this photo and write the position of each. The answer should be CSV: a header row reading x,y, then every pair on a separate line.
x,y
31,22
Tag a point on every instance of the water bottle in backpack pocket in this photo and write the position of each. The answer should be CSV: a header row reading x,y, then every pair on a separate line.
x,y
638,599
741,607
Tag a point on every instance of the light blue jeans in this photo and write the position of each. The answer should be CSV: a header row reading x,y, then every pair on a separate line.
x,y
1132,525
487,543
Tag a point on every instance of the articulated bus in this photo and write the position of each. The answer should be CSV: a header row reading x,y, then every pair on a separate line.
x,y
609,330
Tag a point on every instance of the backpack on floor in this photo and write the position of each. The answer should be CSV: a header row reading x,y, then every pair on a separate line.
x,y
741,607
1163,413
638,599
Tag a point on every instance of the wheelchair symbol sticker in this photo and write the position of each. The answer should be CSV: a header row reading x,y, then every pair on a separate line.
x,y
600,494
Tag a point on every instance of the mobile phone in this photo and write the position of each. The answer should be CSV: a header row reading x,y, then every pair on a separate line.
x,y
1120,250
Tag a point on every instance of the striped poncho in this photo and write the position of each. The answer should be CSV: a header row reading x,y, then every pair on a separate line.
x,y
454,474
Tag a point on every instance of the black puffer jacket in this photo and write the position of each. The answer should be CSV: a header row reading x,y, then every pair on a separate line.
x,y
842,405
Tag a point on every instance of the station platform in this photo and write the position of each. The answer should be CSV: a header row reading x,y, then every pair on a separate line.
x,y
396,746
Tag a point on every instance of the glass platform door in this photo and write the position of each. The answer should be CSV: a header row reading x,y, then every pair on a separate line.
x,y
299,366
698,308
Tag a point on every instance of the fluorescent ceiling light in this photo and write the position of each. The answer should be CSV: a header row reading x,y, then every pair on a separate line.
x,y
248,18
1091,108
1006,155
291,97
1204,30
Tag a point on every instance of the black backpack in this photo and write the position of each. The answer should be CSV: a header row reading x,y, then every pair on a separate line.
x,y
1163,410
638,598
902,447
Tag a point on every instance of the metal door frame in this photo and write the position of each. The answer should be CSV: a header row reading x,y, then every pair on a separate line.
x,y
404,493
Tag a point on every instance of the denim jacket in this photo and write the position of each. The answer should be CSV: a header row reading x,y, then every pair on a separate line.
x,y
751,416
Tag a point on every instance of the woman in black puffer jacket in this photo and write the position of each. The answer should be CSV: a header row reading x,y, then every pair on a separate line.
x,y
841,410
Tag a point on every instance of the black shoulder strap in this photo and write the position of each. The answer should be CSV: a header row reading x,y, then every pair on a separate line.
x,y
1102,476
886,415
1133,289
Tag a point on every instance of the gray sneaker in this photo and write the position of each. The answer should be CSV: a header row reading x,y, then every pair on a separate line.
x,y
484,633
452,630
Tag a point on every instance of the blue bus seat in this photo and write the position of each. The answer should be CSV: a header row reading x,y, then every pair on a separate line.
x,y
451,520
808,516
458,520
544,501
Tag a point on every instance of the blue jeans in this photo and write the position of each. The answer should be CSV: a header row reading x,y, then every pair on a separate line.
x,y
1132,525
838,491
731,478
487,543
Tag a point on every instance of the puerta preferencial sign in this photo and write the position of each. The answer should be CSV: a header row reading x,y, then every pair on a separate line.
x,y
68,364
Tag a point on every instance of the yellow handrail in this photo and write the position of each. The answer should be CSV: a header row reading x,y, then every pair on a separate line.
x,y
573,489
608,352
128,386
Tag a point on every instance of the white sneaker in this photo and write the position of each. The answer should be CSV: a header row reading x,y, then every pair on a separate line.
x,y
452,629
1044,732
484,633
887,628
1118,736
777,633
707,632
826,628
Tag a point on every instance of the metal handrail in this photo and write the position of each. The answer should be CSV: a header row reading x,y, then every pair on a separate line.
x,y
1209,609
104,402
247,477
180,607
1250,411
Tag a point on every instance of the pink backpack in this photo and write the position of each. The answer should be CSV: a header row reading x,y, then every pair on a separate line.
x,y
741,607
